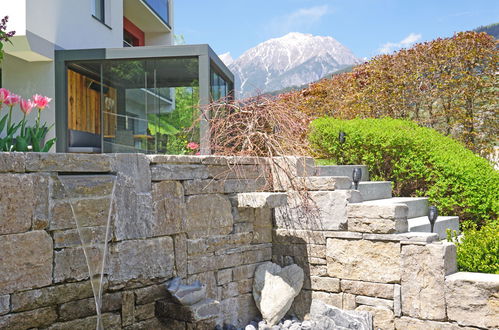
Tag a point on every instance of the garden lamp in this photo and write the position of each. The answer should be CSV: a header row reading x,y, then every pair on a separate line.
x,y
356,176
342,137
432,216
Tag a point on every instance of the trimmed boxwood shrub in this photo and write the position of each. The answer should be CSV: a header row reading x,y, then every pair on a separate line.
x,y
418,160
477,249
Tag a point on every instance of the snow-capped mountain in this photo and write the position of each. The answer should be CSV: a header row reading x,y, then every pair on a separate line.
x,y
292,60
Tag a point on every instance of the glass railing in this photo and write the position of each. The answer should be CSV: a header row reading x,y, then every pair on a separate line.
x,y
160,7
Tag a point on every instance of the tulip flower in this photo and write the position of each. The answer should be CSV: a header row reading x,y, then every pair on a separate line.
x,y
12,100
26,106
41,102
192,146
4,94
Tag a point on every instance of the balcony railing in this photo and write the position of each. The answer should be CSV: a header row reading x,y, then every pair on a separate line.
x,y
161,8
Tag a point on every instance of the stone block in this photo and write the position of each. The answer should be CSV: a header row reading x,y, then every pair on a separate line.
x,y
81,186
244,272
166,172
224,276
473,299
208,215
245,185
12,162
374,302
127,308
404,238
263,218
141,260
136,167
363,260
208,279
26,261
4,304
333,299
144,312
285,169
74,238
23,202
38,318
211,244
59,162
208,186
424,268
109,321
70,264
327,284
224,172
242,227
378,225
180,245
397,300
382,318
89,212
175,159
203,310
407,323
261,199
349,302
262,235
378,290
52,295
150,294
316,210
79,309
343,234
377,211
168,208
323,183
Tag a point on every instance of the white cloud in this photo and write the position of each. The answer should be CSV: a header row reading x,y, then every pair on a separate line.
x,y
299,20
404,43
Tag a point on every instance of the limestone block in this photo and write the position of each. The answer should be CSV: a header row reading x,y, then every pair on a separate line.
x,y
263,218
213,243
58,162
79,309
245,185
168,208
285,169
224,276
38,318
262,235
407,323
378,219
208,186
230,310
128,308
89,212
109,320
175,159
70,263
208,279
141,259
275,288
261,199
149,294
136,167
71,237
223,172
378,290
203,310
363,260
327,284
343,234
329,317
405,238
144,312
52,295
289,236
208,215
26,261
244,272
349,302
374,302
81,186
473,299
178,172
23,202
4,304
12,162
423,273
185,294
180,244
397,300
382,318
323,183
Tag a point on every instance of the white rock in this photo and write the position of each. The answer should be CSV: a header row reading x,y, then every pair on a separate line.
x,y
275,288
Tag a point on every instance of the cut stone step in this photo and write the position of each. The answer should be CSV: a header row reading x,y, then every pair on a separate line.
x,y
422,224
324,183
418,206
342,170
372,190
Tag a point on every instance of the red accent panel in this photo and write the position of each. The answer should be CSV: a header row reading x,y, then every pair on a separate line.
x,y
134,30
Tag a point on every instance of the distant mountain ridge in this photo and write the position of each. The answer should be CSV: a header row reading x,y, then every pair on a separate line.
x,y
293,60
492,29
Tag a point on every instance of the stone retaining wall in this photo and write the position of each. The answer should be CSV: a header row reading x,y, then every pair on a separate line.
x,y
196,218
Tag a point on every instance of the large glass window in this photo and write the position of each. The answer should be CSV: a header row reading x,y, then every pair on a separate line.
x,y
161,8
148,106
220,88
99,10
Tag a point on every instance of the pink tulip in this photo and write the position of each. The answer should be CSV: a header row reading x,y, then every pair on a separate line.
x,y
41,101
12,100
26,106
4,94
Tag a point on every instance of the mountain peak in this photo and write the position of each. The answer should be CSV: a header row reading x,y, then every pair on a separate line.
x,y
294,59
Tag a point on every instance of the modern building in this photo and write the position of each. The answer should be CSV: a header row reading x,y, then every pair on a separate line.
x,y
118,82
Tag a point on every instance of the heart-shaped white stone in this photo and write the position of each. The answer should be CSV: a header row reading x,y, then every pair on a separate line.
x,y
275,288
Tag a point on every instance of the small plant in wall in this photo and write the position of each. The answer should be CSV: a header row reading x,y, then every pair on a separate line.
x,y
4,35
19,136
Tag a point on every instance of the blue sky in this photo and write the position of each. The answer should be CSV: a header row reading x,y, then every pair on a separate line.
x,y
367,27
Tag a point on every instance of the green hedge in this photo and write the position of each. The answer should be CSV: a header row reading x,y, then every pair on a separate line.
x,y
419,161
477,250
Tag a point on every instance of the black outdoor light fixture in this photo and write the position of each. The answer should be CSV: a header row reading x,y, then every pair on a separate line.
x,y
432,216
356,176
342,137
